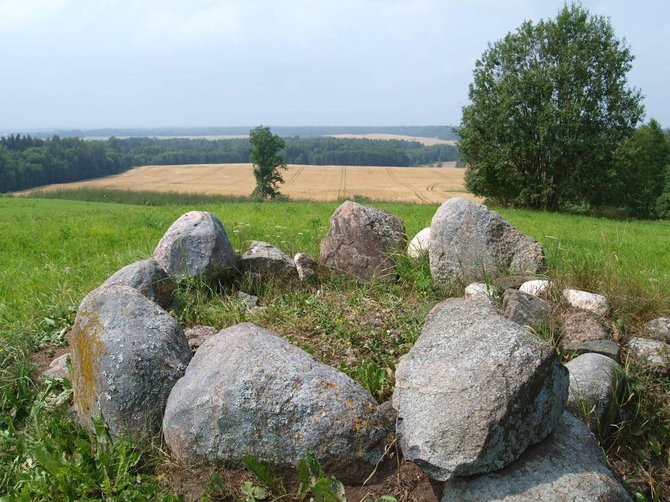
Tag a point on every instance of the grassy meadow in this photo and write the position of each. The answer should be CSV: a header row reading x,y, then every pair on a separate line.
x,y
52,252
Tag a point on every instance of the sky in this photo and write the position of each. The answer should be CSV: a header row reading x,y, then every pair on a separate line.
x,y
195,63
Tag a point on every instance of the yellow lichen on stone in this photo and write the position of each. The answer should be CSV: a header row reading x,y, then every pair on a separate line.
x,y
87,348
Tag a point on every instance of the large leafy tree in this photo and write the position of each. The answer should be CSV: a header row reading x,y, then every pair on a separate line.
x,y
265,149
549,105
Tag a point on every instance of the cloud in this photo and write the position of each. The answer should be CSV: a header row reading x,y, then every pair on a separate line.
x,y
16,14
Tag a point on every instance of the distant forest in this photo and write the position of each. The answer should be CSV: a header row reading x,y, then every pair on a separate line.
x,y
27,161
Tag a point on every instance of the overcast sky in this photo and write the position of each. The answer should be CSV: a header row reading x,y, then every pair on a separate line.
x,y
148,63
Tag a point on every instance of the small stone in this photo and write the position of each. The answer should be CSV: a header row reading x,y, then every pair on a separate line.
x,y
147,277
268,261
525,309
512,281
306,267
420,244
652,353
249,301
480,289
594,380
197,335
58,368
581,327
535,287
658,329
604,347
584,300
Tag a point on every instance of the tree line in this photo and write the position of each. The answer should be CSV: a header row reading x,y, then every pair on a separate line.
x,y
27,161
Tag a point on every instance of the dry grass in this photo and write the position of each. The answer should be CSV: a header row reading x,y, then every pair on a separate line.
x,y
427,185
421,139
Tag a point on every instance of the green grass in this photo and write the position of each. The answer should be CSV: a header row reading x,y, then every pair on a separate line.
x,y
54,251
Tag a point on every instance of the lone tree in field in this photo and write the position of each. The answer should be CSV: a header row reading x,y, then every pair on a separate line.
x,y
265,148
549,106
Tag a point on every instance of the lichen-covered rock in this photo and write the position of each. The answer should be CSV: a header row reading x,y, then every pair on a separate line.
x,y
361,241
535,287
581,327
196,335
525,309
420,244
470,242
475,391
127,353
147,277
567,466
196,246
306,266
593,383
583,300
652,353
268,261
250,392
657,329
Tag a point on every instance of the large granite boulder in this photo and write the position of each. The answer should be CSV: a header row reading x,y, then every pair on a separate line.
x,y
268,261
148,277
475,391
567,466
594,382
196,246
361,241
250,392
127,353
525,309
470,242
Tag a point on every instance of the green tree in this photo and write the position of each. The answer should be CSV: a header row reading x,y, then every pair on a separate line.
x,y
265,148
549,106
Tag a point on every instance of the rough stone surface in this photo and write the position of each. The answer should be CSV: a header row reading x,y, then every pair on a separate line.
x,y
268,261
658,329
196,245
250,392
525,309
249,301
583,300
653,353
361,240
306,267
58,368
582,327
604,347
475,391
420,244
535,287
512,281
479,290
567,467
127,353
197,335
469,242
148,277
593,383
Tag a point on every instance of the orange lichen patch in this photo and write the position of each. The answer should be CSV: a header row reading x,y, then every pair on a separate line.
x,y
87,350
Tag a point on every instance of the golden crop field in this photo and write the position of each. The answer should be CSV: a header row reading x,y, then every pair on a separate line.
x,y
301,182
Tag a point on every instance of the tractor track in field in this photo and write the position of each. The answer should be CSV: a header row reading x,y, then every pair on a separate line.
x,y
342,189
297,173
419,195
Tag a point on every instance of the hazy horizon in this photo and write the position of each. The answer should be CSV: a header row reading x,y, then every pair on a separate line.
x,y
70,64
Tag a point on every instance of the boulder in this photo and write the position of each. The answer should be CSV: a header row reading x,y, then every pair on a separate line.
x,y
420,244
196,246
147,277
127,353
306,267
471,242
268,261
567,466
58,368
361,241
475,391
197,335
535,287
652,353
250,392
479,290
606,348
594,381
525,309
657,329
581,327
583,300
512,281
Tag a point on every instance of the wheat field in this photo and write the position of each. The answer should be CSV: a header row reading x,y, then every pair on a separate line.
x,y
426,185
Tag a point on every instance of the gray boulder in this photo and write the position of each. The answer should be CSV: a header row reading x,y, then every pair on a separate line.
x,y
196,335
512,281
196,246
248,301
268,261
250,392
594,382
127,353
581,327
361,240
525,309
584,300
306,267
652,353
147,277
658,329
606,348
470,242
475,391
567,467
